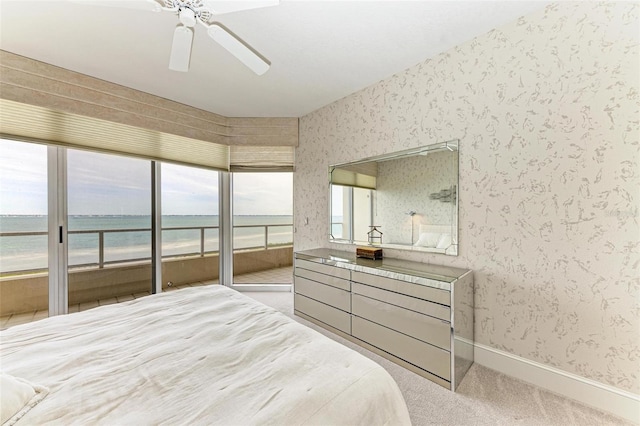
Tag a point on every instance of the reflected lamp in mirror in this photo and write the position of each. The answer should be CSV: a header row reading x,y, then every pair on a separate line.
x,y
384,190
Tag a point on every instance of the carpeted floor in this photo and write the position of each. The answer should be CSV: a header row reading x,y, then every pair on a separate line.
x,y
485,397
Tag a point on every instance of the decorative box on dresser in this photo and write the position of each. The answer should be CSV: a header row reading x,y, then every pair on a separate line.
x,y
417,315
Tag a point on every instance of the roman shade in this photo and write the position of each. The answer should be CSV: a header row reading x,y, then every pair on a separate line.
x,y
261,158
40,102
77,131
37,83
361,175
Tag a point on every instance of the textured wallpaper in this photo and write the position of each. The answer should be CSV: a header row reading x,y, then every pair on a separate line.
x,y
547,112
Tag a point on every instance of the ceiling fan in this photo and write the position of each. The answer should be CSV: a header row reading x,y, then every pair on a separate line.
x,y
192,12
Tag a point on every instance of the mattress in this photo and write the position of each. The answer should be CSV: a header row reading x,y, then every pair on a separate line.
x,y
203,355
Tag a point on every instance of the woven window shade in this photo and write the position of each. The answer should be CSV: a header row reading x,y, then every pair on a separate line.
x,y
76,131
361,175
261,158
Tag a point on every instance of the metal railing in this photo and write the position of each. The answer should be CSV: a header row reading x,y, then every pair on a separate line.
x,y
202,229
265,233
340,234
102,232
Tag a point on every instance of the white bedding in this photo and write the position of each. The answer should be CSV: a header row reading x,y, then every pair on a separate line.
x,y
204,355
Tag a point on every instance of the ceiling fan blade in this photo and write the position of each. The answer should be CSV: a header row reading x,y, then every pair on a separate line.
x,y
219,7
238,48
181,49
150,5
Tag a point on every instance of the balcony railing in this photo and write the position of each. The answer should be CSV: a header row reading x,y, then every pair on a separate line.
x,y
337,230
101,233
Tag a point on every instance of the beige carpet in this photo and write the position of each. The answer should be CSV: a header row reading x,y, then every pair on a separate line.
x,y
485,397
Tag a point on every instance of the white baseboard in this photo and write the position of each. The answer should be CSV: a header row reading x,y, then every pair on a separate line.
x,y
589,392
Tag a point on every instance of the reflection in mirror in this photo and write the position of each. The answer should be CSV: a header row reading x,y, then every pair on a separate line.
x,y
351,210
410,196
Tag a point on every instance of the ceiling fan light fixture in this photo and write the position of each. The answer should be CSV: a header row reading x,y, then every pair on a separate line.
x,y
188,17
244,54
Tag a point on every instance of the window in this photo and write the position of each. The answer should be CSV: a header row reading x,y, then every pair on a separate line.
x,y
80,223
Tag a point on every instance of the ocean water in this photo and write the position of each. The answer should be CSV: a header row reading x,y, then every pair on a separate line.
x,y
133,241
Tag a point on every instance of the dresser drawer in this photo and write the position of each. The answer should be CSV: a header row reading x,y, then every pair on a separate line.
x,y
428,329
416,290
323,269
323,293
324,313
324,279
408,302
414,351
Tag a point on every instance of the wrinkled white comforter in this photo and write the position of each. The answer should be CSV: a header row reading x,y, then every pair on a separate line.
x,y
204,355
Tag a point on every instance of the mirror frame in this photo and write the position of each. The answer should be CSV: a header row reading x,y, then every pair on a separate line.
x,y
452,145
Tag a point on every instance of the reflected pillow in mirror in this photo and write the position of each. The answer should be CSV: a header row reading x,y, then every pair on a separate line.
x,y
428,239
444,241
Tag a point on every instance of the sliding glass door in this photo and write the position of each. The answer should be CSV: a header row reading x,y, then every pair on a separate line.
x,y
262,228
190,226
109,228
24,294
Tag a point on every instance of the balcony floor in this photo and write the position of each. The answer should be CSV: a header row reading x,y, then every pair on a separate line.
x,y
270,276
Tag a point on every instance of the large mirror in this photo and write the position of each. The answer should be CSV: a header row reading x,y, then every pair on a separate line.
x,y
405,200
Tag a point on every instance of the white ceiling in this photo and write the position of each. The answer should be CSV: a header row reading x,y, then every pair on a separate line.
x,y
320,51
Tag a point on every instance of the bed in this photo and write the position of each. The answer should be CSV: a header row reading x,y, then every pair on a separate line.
x,y
202,355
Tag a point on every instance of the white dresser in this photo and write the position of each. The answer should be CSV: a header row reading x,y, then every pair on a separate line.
x,y
417,315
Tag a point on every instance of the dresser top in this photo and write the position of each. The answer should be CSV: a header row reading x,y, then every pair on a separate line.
x,y
387,267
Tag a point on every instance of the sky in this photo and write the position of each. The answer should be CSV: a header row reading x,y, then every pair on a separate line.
x,y
23,178
101,184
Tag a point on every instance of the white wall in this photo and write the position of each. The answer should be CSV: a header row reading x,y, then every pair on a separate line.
x,y
546,110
